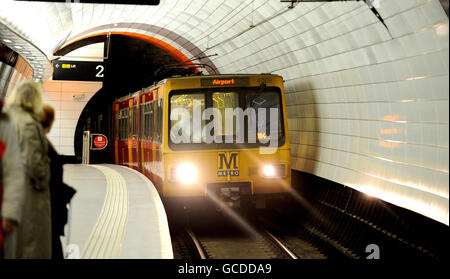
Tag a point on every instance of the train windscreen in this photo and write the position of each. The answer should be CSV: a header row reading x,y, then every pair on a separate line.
x,y
225,118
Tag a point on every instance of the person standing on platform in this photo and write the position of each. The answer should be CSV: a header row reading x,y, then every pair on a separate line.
x,y
12,187
60,193
34,235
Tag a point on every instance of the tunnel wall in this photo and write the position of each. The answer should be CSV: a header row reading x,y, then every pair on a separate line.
x,y
10,77
367,107
69,98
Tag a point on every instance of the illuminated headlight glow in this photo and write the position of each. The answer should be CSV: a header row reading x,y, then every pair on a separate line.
x,y
269,171
186,173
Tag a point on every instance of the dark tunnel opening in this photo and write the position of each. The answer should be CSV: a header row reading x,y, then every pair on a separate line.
x,y
131,65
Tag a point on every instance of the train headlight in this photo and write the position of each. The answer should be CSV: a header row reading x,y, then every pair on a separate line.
x,y
273,171
186,173
269,171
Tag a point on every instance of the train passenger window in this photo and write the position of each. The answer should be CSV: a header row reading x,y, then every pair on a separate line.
x,y
120,124
116,125
154,120
134,120
150,121
130,123
123,124
144,122
141,121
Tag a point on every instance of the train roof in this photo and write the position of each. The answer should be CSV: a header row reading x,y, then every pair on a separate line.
x,y
218,76
161,82
210,76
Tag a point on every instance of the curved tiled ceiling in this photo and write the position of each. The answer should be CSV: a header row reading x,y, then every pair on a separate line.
x,y
142,30
35,58
367,105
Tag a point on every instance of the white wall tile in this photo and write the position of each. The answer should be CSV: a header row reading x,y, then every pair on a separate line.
x,y
361,100
59,94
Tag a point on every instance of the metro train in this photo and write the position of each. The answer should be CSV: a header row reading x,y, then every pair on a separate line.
x,y
215,137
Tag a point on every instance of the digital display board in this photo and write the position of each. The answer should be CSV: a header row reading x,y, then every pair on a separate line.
x,y
232,81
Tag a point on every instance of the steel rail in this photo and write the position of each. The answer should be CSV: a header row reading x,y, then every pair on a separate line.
x,y
197,244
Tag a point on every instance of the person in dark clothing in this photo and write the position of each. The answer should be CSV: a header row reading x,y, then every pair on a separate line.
x,y
60,193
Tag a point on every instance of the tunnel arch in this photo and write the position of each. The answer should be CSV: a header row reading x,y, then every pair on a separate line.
x,y
101,33
125,46
172,51
143,31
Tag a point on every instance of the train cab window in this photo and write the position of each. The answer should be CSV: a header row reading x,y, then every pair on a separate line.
x,y
221,102
185,104
250,128
266,101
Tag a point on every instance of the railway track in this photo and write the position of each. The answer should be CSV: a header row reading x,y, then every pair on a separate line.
x,y
239,246
325,231
225,239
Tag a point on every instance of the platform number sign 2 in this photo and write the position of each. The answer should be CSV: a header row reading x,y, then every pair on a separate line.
x,y
79,70
100,69
374,251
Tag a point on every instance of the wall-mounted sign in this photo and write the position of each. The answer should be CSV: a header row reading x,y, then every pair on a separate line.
x,y
98,141
78,70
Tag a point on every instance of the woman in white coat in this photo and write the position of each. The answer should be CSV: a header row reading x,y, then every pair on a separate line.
x,y
34,233
12,180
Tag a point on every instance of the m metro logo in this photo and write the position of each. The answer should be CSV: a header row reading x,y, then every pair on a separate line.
x,y
228,164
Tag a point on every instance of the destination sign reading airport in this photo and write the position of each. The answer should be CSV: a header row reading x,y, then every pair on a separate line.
x,y
78,70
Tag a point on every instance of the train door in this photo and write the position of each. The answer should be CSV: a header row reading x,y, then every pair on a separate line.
x,y
146,127
140,127
115,131
133,135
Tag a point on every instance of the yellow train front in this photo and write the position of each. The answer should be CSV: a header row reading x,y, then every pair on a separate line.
x,y
222,138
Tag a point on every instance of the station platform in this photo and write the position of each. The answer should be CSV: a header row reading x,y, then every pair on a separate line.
x,y
115,214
